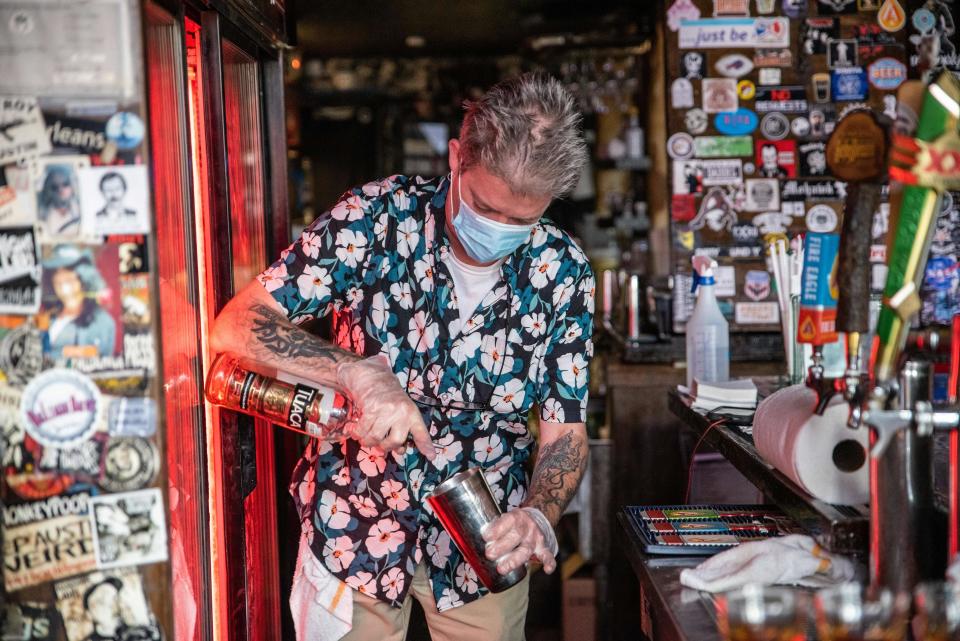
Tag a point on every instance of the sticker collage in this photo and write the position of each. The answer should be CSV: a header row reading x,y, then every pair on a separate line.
x,y
755,87
81,513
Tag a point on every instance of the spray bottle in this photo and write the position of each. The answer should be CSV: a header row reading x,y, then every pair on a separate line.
x,y
708,333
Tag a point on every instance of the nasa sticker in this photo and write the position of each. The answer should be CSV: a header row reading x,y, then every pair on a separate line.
x,y
680,146
129,464
60,408
821,219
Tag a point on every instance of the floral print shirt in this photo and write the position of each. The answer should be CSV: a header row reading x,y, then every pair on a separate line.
x,y
377,260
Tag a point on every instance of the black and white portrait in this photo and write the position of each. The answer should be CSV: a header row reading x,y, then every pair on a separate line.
x,y
114,200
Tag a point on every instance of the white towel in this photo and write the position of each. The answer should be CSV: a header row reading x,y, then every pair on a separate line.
x,y
793,559
321,604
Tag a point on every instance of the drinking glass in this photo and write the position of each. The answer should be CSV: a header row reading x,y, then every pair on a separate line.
x,y
938,611
852,612
762,613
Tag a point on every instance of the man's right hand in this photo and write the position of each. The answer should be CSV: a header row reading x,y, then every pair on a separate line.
x,y
387,416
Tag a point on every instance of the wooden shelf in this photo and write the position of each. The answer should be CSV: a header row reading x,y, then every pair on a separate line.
x,y
754,346
839,528
625,164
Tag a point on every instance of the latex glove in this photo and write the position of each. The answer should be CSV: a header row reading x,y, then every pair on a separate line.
x,y
953,572
387,416
517,536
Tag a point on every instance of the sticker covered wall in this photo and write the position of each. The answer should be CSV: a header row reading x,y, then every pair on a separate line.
x,y
772,79
83,517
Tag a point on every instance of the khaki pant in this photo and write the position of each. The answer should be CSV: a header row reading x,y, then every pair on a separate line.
x,y
494,617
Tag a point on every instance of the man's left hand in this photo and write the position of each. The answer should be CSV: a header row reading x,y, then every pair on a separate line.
x,y
517,536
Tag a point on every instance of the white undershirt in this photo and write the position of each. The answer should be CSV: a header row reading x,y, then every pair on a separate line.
x,y
471,283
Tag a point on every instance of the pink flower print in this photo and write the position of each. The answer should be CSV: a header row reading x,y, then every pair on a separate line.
x,y
384,537
333,511
392,583
338,553
364,505
363,582
275,277
349,209
395,495
466,578
307,487
342,477
371,460
310,244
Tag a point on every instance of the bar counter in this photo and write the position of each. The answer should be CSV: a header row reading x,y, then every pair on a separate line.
x,y
668,611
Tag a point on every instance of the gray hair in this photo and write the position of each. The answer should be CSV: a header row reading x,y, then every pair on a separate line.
x,y
526,131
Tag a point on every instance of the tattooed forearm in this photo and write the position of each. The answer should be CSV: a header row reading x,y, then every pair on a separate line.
x,y
277,338
560,466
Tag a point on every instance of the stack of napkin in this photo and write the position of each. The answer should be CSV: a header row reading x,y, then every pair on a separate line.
x,y
739,393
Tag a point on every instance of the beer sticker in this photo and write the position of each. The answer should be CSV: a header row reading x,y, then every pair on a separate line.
x,y
21,351
849,83
770,76
762,194
842,53
777,159
23,135
29,621
129,463
691,176
734,65
817,34
694,65
47,540
719,94
129,528
822,219
756,285
735,33
681,94
132,416
775,126
106,605
60,408
756,313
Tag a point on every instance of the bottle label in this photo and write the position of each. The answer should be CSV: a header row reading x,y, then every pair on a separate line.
x,y
302,397
245,390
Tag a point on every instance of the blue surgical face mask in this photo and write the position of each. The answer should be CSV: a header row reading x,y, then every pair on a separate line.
x,y
486,240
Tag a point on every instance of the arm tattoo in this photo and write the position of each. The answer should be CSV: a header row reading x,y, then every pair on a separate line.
x,y
279,338
560,466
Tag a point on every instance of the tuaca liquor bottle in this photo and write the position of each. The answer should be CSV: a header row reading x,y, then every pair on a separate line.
x,y
317,411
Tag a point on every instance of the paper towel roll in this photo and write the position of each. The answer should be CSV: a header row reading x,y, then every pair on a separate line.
x,y
819,453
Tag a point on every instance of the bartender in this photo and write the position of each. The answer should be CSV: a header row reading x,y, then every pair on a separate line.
x,y
456,309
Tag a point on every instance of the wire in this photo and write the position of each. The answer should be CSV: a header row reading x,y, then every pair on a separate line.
x,y
686,495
